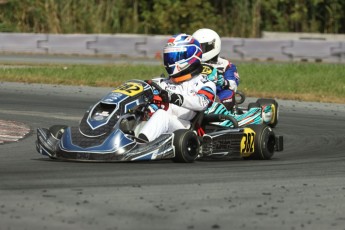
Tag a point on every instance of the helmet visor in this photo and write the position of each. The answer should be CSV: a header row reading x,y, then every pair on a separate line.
x,y
173,55
207,46
177,55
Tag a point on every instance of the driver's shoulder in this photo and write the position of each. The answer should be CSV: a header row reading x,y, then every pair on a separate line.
x,y
160,80
223,62
202,81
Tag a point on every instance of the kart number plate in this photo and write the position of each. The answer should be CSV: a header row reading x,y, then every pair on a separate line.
x,y
247,142
129,88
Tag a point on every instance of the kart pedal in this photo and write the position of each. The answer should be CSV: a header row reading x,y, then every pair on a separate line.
x,y
279,146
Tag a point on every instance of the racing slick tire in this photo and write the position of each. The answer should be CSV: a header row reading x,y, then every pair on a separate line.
x,y
57,130
187,145
275,109
264,142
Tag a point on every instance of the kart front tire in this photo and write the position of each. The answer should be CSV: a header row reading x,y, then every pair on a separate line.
x,y
264,143
186,144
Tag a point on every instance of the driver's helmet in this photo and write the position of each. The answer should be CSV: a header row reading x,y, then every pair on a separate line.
x,y
182,57
210,44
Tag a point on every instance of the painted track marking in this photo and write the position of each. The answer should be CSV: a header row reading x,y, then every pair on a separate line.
x,y
12,131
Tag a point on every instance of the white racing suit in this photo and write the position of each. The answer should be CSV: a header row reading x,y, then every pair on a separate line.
x,y
196,94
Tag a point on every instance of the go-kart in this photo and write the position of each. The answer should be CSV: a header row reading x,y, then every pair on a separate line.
x,y
263,111
109,131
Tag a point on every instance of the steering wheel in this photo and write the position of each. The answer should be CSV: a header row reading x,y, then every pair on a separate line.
x,y
241,99
163,97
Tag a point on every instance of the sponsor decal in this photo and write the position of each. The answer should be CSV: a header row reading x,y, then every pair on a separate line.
x,y
223,143
174,49
206,70
170,87
83,156
114,97
227,100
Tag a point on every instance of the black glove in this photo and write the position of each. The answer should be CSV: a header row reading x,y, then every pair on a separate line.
x,y
165,96
176,99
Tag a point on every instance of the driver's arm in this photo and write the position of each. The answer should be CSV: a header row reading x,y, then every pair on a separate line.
x,y
198,102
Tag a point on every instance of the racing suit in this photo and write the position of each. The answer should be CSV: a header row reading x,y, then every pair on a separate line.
x,y
226,79
186,99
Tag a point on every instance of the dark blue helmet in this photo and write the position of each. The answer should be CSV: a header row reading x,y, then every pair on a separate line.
x,y
182,55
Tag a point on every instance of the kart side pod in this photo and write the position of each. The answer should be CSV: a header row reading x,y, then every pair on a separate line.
x,y
252,142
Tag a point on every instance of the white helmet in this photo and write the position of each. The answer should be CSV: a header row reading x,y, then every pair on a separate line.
x,y
210,43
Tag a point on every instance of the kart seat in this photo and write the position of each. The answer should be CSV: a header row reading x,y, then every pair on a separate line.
x,y
201,122
197,120
209,118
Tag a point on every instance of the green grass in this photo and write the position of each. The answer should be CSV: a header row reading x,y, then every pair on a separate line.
x,y
304,81
300,81
92,75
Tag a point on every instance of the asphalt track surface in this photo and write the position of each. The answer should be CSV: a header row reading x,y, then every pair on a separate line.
x,y
302,187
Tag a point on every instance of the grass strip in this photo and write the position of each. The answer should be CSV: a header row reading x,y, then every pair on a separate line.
x,y
320,82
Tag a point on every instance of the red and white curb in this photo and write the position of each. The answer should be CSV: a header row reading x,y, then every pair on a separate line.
x,y
12,131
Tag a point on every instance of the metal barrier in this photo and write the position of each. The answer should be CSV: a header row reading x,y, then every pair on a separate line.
x,y
150,46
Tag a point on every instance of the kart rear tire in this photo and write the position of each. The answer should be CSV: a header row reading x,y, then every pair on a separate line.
x,y
186,145
57,130
264,142
263,102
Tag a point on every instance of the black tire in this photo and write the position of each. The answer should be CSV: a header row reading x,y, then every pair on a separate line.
x,y
275,107
240,97
186,145
57,130
264,142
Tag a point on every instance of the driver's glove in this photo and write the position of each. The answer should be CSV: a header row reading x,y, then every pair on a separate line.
x,y
176,99
216,77
213,76
220,80
165,96
230,84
